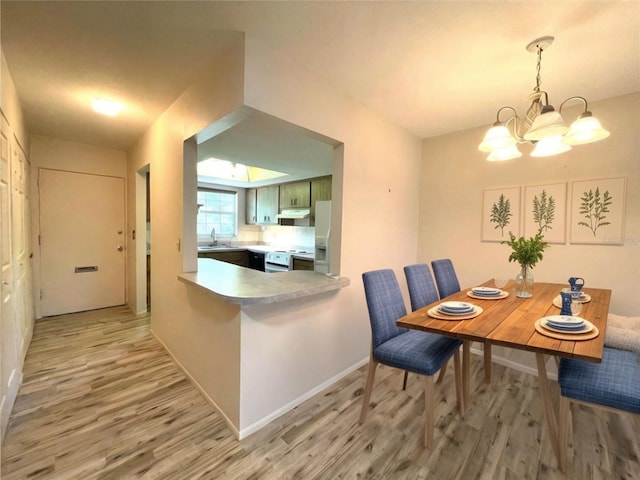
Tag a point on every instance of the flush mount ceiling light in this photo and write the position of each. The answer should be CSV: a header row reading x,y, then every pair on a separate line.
x,y
542,125
106,107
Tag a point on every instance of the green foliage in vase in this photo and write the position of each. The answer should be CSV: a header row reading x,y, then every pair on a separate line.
x,y
526,251
501,213
594,207
544,209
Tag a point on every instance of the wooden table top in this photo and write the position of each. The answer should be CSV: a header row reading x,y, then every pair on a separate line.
x,y
511,321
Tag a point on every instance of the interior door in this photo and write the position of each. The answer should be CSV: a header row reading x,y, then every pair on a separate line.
x,y
8,334
81,241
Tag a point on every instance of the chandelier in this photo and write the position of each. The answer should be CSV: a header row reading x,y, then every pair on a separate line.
x,y
542,125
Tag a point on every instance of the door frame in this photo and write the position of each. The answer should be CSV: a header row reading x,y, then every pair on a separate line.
x,y
140,243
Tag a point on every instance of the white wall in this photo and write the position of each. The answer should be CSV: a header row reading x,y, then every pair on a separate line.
x,y
455,173
310,343
68,156
379,170
202,334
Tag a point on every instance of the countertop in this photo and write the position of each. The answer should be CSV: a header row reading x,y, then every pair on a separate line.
x,y
309,255
245,286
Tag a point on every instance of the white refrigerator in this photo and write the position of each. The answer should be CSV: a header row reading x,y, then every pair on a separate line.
x,y
323,236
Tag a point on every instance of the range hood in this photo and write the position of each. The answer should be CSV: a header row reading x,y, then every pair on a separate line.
x,y
294,213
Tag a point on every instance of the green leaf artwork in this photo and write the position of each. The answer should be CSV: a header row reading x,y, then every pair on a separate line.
x,y
544,209
593,208
501,213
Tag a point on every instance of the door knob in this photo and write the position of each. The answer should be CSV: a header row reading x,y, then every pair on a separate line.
x,y
120,248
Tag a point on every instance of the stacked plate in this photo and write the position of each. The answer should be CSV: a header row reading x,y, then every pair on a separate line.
x,y
486,292
456,308
566,324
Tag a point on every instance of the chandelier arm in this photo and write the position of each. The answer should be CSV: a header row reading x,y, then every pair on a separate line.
x,y
584,101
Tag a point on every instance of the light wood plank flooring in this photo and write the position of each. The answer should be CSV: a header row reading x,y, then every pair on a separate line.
x,y
102,400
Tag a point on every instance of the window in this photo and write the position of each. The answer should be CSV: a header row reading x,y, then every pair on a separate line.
x,y
216,209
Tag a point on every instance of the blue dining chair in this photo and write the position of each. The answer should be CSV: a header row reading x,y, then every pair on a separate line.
x,y
448,284
422,292
411,350
446,277
613,384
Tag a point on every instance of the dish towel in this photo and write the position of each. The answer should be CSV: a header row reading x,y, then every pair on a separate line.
x,y
623,333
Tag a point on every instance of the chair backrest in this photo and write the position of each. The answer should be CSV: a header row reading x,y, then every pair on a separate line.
x,y
385,304
422,290
446,278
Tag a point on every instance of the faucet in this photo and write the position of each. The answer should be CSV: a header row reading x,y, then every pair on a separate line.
x,y
213,236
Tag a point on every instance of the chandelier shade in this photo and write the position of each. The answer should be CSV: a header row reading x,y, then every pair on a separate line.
x,y
549,146
542,125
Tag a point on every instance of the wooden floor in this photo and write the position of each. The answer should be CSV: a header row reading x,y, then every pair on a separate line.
x,y
102,400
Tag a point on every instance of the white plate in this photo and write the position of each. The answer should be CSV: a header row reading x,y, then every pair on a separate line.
x,y
567,320
457,306
586,328
486,291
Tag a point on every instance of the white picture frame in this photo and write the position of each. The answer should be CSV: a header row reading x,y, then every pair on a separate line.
x,y
598,211
500,213
545,211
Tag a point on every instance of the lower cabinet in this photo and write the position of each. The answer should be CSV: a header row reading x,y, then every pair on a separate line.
x,y
237,257
301,264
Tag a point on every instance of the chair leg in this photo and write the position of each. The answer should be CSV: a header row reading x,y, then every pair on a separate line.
x,y
429,423
487,362
563,429
443,370
458,377
404,381
367,388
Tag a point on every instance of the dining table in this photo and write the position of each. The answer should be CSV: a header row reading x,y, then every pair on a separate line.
x,y
511,321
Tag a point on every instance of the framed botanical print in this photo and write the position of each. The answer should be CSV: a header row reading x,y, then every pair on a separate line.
x,y
500,214
545,211
597,211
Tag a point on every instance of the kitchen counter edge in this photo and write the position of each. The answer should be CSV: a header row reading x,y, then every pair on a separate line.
x,y
243,286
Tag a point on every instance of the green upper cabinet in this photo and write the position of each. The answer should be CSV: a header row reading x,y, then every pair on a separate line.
x,y
320,190
267,205
251,212
295,194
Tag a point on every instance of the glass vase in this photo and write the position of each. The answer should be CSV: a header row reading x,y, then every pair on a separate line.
x,y
524,283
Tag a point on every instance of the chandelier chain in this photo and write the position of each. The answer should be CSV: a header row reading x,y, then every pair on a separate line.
x,y
538,66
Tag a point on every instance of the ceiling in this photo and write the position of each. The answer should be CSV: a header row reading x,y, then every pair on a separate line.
x,y
431,67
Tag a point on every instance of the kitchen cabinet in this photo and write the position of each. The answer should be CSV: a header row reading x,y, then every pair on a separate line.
x,y
251,213
320,190
237,257
267,205
302,264
295,195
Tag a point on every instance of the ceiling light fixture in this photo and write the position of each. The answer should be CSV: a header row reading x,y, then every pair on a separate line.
x,y
542,125
106,107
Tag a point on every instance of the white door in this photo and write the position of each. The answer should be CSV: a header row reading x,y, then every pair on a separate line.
x,y
81,241
8,333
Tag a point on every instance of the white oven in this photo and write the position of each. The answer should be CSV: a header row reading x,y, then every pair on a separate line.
x,y
278,262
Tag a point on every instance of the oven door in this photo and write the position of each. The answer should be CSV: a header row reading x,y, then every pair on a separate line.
x,y
274,267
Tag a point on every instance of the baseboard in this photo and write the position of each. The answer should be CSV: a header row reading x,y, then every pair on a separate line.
x,y
304,397
203,392
515,365
6,404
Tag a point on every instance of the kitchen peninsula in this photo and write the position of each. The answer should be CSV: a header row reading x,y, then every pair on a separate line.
x,y
235,284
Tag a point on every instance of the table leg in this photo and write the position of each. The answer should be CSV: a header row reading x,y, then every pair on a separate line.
x,y
487,362
549,412
466,371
